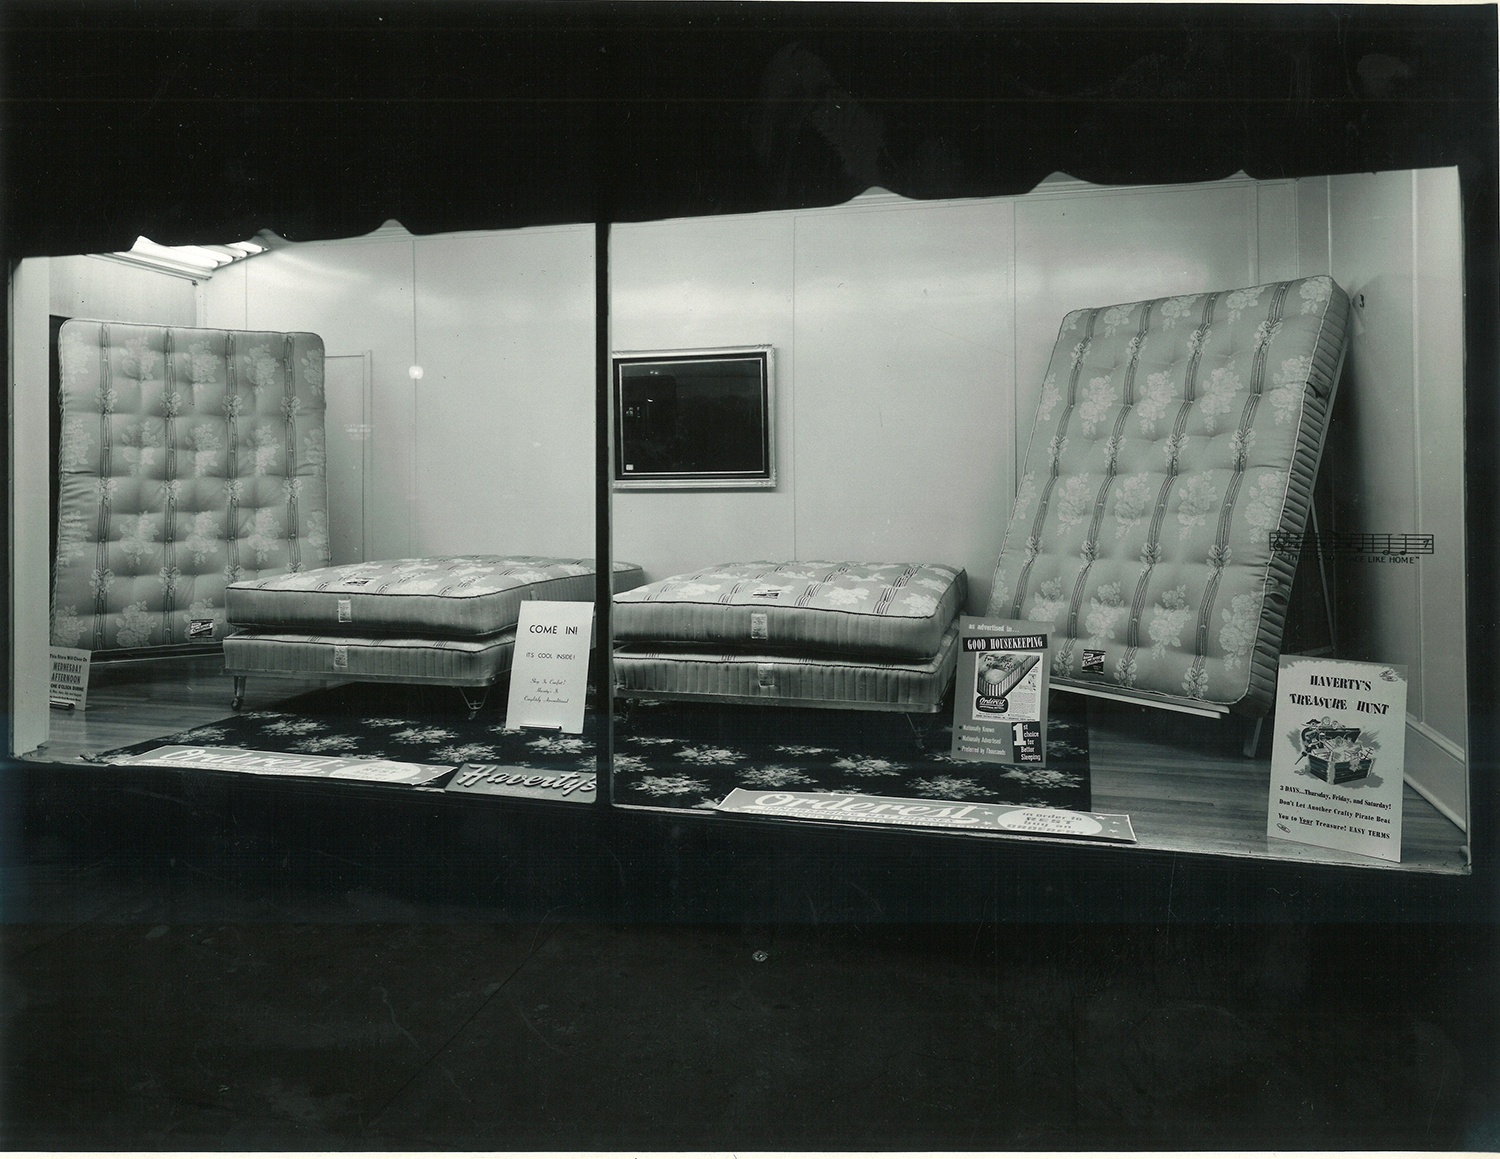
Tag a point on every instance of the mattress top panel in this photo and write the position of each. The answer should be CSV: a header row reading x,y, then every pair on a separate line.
x,y
469,595
876,609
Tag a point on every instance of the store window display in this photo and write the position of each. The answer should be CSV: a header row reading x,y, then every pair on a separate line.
x,y
1112,421
1055,396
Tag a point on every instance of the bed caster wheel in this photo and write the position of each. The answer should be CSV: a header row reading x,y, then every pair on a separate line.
x,y
237,703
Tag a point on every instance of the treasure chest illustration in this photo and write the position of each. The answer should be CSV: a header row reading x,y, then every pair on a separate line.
x,y
998,674
1334,752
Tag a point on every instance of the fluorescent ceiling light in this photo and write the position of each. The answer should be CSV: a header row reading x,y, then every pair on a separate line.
x,y
191,261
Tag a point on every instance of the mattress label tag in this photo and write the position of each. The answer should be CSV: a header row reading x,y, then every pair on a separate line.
x,y
341,655
1093,660
760,628
766,675
346,611
200,629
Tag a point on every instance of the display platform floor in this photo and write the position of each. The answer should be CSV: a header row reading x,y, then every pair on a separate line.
x,y
1183,781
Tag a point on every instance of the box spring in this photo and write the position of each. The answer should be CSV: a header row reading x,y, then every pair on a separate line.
x,y
658,671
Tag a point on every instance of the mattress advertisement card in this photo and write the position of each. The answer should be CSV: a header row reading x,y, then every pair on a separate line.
x,y
1338,755
549,677
1000,702
70,677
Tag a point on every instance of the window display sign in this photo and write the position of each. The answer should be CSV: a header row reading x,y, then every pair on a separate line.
x,y
1338,755
931,814
1000,706
70,677
285,764
543,784
550,674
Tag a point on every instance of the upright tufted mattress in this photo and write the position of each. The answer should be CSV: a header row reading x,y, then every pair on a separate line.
x,y
188,459
854,609
1171,461
441,596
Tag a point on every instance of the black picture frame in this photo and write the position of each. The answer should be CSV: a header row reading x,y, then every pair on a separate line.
x,y
695,418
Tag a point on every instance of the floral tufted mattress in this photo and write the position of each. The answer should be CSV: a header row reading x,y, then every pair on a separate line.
x,y
1167,485
187,459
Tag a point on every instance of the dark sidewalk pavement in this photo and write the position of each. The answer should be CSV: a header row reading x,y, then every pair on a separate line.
x,y
354,1019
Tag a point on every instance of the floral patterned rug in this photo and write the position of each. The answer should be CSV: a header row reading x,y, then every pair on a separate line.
x,y
667,754
689,756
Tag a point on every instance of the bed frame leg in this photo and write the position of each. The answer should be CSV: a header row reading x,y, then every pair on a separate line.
x,y
239,694
1252,738
474,698
919,731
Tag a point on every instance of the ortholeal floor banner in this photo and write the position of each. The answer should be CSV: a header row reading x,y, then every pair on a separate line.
x,y
285,764
931,814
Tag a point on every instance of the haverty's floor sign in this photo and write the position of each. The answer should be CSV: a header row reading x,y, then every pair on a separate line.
x,y
549,676
1338,755
178,756
930,814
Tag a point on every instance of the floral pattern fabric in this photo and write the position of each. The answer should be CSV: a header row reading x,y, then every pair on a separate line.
x,y
850,608
174,447
1172,446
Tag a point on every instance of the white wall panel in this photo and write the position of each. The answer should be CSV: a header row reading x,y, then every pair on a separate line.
x,y
358,296
95,287
1276,232
1375,487
504,416
707,282
1312,227
903,408
1395,240
1440,430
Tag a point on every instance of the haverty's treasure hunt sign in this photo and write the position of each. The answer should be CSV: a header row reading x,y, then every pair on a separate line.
x,y
549,675
930,814
1338,755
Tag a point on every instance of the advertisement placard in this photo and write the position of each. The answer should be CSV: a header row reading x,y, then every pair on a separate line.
x,y
549,676
1000,702
1338,755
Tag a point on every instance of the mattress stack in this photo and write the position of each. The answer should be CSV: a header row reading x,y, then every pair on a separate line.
x,y
441,620
880,636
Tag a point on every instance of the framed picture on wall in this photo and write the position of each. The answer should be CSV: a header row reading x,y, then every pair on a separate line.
x,y
695,418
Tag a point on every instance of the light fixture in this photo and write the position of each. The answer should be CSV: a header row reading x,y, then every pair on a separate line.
x,y
187,261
